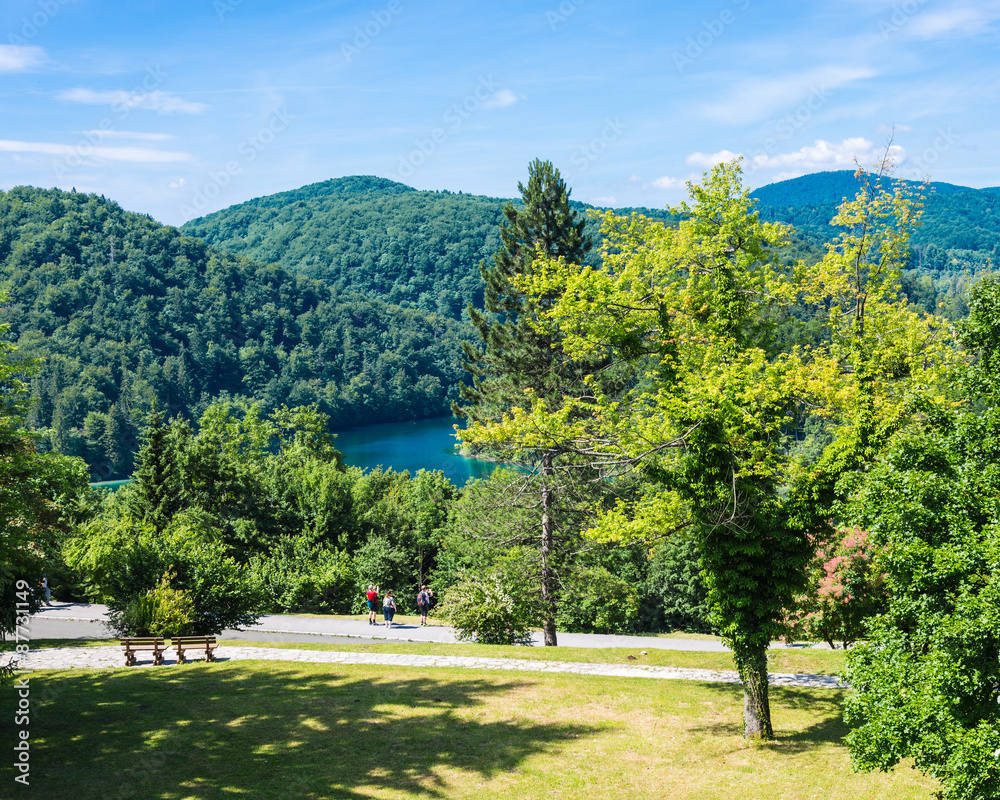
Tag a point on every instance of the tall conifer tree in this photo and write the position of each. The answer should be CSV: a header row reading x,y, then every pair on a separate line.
x,y
515,357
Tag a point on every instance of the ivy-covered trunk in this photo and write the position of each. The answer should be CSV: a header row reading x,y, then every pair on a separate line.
x,y
752,666
548,573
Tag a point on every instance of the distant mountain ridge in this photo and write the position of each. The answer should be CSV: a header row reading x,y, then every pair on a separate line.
x,y
422,249
824,188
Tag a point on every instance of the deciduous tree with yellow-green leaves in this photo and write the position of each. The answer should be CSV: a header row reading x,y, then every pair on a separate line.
x,y
725,382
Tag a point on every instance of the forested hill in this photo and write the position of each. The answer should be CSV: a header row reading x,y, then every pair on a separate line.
x,y
955,217
958,239
371,235
422,249
127,313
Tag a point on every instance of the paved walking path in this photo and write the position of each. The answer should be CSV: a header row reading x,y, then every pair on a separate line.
x,y
107,657
82,620
87,618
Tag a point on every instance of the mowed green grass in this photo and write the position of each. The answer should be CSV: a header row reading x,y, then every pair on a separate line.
x,y
280,730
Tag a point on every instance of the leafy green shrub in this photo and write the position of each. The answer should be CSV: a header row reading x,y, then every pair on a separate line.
x,y
497,607
298,576
595,601
162,611
119,560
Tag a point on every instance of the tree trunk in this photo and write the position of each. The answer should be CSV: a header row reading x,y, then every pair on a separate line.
x,y
756,707
548,574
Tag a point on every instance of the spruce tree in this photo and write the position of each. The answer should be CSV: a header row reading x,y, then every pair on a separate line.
x,y
513,356
157,488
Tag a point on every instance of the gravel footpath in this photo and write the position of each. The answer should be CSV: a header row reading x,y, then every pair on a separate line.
x,y
107,657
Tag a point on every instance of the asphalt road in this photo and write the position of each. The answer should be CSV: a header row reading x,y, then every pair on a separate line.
x,y
85,621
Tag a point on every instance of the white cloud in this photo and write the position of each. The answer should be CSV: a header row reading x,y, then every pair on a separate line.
x,y
501,99
666,182
963,21
18,58
84,150
755,99
109,134
709,160
177,184
605,201
161,102
824,155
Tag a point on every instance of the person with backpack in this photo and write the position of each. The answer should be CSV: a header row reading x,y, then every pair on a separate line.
x,y
388,608
424,603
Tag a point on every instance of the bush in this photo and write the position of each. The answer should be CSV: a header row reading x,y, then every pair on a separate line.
x,y
598,602
298,576
120,560
844,591
162,611
497,607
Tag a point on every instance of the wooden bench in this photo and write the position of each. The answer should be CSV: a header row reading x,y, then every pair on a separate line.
x,y
133,644
204,644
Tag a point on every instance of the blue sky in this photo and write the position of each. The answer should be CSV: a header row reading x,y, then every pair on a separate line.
x,y
183,107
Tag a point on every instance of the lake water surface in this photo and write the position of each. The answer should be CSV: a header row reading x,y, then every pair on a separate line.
x,y
423,444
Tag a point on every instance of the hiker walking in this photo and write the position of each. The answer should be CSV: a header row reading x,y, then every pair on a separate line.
x,y
388,608
372,595
424,603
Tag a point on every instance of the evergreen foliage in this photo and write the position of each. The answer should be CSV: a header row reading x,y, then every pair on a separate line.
x,y
517,359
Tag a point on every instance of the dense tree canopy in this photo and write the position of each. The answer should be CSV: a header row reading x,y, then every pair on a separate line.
x,y
724,395
126,314
35,491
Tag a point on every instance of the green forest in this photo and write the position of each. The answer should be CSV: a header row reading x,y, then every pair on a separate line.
x,y
700,430
126,316
957,240
350,294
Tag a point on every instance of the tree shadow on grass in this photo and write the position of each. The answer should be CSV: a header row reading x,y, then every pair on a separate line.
x,y
824,704
278,731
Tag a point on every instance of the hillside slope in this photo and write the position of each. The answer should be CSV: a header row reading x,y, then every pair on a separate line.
x,y
127,313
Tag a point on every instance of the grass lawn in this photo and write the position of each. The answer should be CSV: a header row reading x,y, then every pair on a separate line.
x,y
279,730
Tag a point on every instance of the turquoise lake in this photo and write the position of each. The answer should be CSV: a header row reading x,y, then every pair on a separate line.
x,y
423,444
